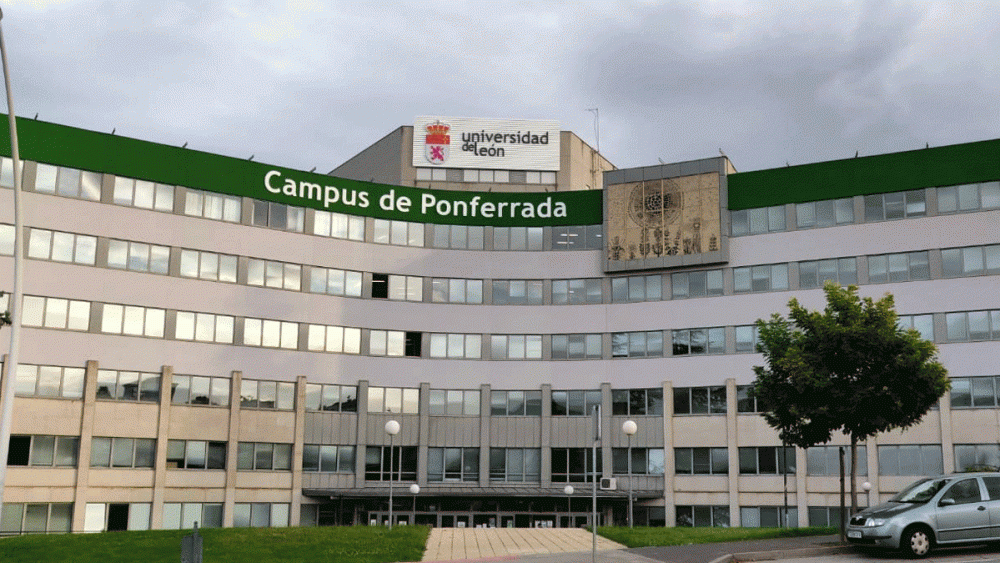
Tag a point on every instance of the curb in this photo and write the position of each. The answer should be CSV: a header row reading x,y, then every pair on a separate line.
x,y
782,554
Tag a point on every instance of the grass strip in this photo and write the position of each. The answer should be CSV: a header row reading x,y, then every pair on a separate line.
x,y
642,536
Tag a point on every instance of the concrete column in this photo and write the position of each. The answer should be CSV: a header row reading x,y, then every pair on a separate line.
x,y
362,437
484,435
423,433
607,430
86,437
732,447
669,509
947,435
871,452
295,511
162,437
232,441
546,437
801,502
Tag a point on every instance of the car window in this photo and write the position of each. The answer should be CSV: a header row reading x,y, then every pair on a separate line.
x,y
964,491
993,487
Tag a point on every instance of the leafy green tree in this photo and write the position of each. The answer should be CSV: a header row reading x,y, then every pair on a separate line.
x,y
848,368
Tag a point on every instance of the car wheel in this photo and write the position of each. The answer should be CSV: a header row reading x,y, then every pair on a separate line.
x,y
916,542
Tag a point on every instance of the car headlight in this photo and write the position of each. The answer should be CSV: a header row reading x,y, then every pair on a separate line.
x,y
874,522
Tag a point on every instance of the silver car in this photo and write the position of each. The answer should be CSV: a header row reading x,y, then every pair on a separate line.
x,y
943,510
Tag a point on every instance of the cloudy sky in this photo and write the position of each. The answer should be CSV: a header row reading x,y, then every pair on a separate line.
x,y
309,83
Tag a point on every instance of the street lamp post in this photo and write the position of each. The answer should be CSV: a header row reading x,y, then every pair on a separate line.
x,y
391,428
568,489
414,490
629,428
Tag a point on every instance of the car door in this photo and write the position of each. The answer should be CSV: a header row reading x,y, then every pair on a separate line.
x,y
992,484
961,512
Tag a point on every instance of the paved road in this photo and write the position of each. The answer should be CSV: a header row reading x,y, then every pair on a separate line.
x,y
975,554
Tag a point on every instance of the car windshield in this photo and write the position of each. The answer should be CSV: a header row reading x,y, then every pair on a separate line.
x,y
921,491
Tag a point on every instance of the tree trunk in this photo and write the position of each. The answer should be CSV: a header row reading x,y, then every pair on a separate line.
x,y
854,474
843,515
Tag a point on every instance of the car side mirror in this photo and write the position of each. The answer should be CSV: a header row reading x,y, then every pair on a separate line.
x,y
946,502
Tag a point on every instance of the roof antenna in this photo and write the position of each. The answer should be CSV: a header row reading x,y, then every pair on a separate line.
x,y
251,157
113,130
184,146
661,160
856,154
36,116
313,169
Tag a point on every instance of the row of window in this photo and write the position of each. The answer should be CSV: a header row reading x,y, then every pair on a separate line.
x,y
485,176
877,207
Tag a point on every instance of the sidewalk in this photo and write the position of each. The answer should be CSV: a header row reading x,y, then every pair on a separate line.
x,y
457,544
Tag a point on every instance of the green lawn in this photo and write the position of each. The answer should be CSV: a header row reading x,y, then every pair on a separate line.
x,y
357,544
643,536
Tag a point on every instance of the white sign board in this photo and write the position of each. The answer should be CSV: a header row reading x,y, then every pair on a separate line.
x,y
502,144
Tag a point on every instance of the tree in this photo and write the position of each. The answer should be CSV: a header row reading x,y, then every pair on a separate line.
x,y
849,368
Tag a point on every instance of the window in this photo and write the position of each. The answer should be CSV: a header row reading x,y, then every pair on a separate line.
x,y
977,457
444,290
977,392
182,516
51,312
147,195
637,344
767,460
131,320
515,403
128,385
698,341
825,213
577,346
825,516
335,282
910,460
49,381
645,461
7,172
757,221
898,205
590,237
699,400
279,275
575,403
328,459
394,343
452,464
270,334
60,247
208,266
517,292
755,279
969,197
574,465
260,515
747,338
769,517
43,451
138,257
7,240
971,261
701,461
213,206
536,177
338,225
204,327
924,324
696,284
898,267
516,347
744,402
380,286
198,390
576,291
973,325
403,459
406,288
454,402
116,517
637,402
815,273
334,398
636,289
459,237
702,516
393,400
401,233
68,182
466,346
336,339
278,395
18,518
122,452
825,460
517,238
196,454
516,465
278,216
263,456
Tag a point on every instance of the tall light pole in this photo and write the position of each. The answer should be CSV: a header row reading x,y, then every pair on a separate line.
x,y
629,428
10,366
414,490
391,428
568,490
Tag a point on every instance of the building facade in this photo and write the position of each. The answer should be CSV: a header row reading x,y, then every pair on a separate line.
x,y
213,340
